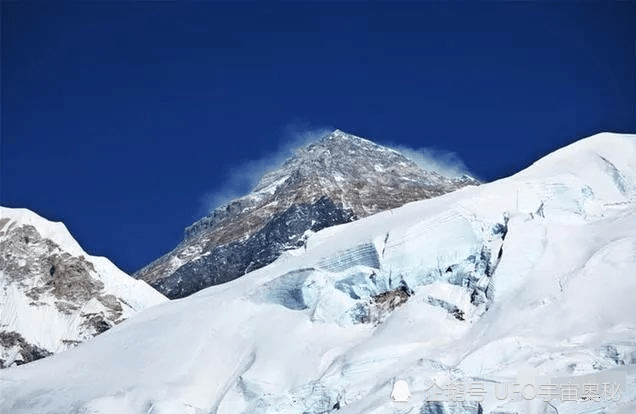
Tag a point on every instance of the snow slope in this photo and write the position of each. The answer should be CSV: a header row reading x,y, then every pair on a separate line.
x,y
54,295
536,271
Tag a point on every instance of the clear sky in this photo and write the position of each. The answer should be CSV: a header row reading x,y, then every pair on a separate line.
x,y
127,120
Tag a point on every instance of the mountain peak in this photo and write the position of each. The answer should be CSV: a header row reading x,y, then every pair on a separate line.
x,y
340,135
340,157
340,138
340,178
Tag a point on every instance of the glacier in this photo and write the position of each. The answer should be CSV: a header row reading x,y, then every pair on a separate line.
x,y
534,271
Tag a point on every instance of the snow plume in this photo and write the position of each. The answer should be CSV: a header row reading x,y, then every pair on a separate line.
x,y
443,162
242,178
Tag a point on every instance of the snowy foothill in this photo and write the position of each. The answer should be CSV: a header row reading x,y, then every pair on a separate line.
x,y
535,271
54,295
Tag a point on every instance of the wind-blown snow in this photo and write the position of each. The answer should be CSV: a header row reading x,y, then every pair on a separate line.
x,y
534,271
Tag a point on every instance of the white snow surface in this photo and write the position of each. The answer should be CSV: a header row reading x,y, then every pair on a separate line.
x,y
290,338
43,324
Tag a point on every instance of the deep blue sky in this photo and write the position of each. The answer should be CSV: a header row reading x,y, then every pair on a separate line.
x,y
118,119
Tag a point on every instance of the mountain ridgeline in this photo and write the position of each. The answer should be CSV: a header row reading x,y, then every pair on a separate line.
x,y
532,274
339,179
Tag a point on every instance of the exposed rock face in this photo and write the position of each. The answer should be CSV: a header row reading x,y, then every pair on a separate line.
x,y
224,262
54,296
26,351
336,180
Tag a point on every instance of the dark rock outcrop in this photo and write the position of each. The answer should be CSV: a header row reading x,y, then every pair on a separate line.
x,y
230,261
27,352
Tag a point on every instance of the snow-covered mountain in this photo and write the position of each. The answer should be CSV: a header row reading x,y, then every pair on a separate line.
x,y
535,271
339,179
52,294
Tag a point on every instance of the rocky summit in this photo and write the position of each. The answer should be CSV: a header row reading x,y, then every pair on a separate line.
x,y
339,179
